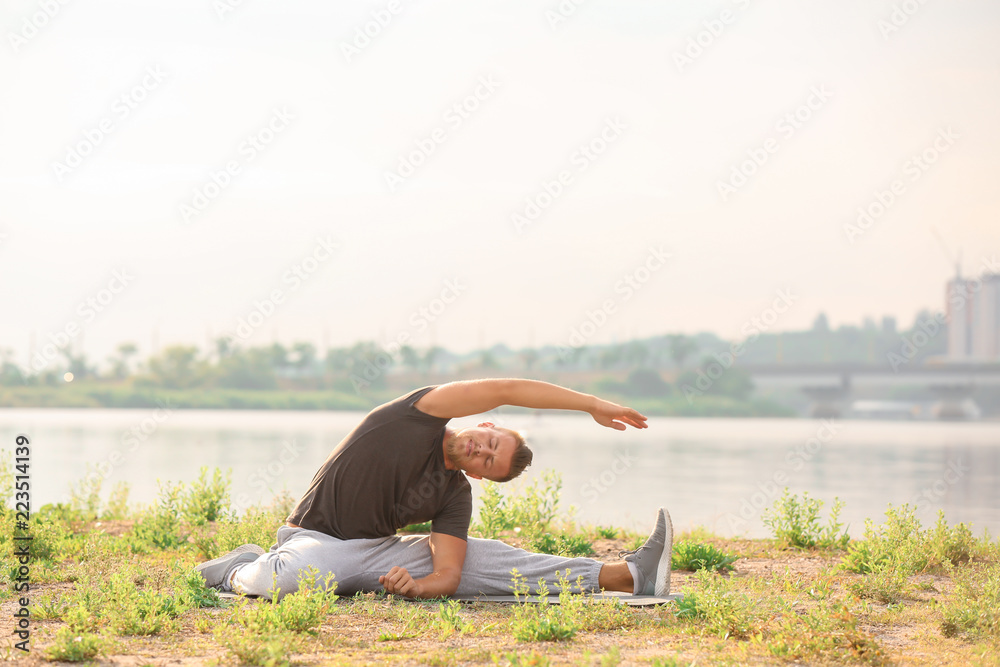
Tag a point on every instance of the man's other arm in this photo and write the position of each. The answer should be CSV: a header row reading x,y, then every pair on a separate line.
x,y
472,397
447,556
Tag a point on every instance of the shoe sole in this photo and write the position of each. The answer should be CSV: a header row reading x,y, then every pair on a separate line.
x,y
228,560
662,585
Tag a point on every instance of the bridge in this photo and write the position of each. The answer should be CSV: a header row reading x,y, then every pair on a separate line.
x,y
830,385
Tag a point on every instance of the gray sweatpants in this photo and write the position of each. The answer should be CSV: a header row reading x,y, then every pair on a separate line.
x,y
357,564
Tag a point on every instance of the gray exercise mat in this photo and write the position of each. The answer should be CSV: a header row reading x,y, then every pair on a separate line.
x,y
623,598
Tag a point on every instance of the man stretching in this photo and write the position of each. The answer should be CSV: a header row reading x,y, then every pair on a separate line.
x,y
403,465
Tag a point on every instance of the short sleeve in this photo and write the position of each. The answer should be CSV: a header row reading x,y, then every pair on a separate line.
x,y
456,512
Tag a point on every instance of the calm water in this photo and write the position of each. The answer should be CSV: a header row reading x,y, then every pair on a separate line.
x,y
712,472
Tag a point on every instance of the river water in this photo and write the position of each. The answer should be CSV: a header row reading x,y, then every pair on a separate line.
x,y
718,473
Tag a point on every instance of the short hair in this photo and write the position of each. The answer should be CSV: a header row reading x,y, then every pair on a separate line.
x,y
521,458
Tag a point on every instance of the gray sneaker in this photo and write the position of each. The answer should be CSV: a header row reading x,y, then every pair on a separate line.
x,y
652,559
214,571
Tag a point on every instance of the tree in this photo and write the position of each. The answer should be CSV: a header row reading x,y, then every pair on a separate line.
x,y
119,362
681,347
247,369
821,323
644,382
177,367
410,357
305,355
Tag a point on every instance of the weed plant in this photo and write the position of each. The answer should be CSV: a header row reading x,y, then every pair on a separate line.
x,y
796,522
694,556
561,545
973,610
531,511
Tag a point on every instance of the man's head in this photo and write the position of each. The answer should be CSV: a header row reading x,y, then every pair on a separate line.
x,y
487,451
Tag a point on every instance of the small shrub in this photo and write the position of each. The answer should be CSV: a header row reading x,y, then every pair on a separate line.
x,y
531,510
298,612
561,545
194,589
117,507
796,522
952,545
49,606
206,500
449,620
723,610
532,659
884,583
160,525
693,556
607,533
267,647
541,622
973,609
72,646
899,543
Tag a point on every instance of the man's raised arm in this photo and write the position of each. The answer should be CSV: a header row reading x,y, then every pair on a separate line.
x,y
471,397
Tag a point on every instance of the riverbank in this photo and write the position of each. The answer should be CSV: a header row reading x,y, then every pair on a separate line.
x,y
121,589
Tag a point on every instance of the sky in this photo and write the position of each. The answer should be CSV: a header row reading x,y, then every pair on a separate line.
x,y
466,174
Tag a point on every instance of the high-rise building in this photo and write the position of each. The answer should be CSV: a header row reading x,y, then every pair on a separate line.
x,y
973,308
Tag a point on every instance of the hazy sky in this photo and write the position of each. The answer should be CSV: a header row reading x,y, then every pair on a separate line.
x,y
200,149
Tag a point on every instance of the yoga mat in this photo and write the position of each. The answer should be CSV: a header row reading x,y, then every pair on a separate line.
x,y
622,598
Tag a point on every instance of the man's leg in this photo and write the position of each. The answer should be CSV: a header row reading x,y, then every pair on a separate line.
x,y
487,568
296,550
488,565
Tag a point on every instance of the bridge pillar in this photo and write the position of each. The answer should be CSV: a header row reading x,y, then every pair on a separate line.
x,y
828,401
954,402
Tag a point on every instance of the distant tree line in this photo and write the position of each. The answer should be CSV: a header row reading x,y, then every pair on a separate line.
x,y
638,365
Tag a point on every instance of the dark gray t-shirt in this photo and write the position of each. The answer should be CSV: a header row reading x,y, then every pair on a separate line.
x,y
388,473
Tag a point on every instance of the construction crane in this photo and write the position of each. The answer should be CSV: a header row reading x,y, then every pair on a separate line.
x,y
957,259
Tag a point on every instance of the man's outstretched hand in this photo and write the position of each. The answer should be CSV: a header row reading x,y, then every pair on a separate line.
x,y
616,416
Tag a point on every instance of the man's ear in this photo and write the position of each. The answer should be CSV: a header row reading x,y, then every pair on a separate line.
x,y
473,475
486,425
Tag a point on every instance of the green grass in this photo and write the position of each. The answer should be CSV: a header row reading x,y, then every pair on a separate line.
x,y
528,511
561,545
113,596
694,556
796,522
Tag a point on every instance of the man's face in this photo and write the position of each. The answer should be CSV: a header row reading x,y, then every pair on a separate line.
x,y
483,451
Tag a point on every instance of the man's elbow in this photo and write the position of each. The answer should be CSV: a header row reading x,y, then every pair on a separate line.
x,y
450,581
